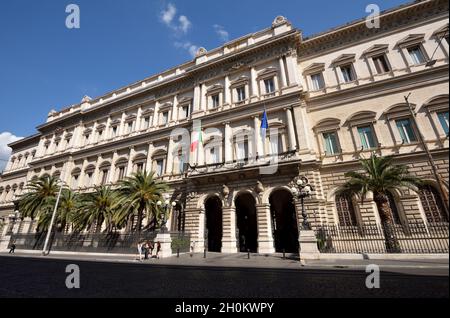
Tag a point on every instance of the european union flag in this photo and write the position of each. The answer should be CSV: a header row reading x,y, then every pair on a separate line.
x,y
264,125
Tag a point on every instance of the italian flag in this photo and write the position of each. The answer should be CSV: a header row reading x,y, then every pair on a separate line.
x,y
197,139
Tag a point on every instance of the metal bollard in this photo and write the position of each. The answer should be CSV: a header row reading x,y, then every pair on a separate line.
x,y
178,253
248,252
204,255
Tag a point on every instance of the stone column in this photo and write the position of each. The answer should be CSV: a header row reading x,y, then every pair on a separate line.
x,y
138,119
156,115
130,161
229,241
148,165
169,164
258,142
82,174
254,84
282,73
228,145
175,111
227,91
203,105
291,130
95,177
265,235
292,66
112,173
122,125
197,98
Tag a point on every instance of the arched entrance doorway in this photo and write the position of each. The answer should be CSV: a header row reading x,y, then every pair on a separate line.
x,y
247,222
284,222
213,230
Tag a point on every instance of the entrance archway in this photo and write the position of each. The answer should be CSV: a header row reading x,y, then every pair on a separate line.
x,y
247,222
213,235
284,221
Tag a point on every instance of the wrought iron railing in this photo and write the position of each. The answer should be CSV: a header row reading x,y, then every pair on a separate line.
x,y
413,238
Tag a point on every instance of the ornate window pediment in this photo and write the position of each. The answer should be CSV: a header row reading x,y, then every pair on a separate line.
x,y
242,80
268,72
165,106
438,103
411,40
376,49
140,158
328,124
398,111
217,88
76,172
121,162
148,111
363,117
130,118
89,168
105,164
185,100
314,68
87,131
101,127
159,154
115,122
344,59
442,31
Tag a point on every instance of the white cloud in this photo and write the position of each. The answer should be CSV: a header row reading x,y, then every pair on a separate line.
x,y
222,33
168,18
168,14
188,46
185,24
5,152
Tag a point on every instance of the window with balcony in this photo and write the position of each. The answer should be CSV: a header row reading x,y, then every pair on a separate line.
x,y
214,155
348,75
317,82
416,54
159,167
406,130
367,137
121,174
215,101
443,119
381,64
331,143
164,118
269,85
241,95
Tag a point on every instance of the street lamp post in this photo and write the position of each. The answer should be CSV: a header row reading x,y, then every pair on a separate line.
x,y
45,250
165,206
303,189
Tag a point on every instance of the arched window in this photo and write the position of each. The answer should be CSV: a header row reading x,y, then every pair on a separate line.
x,y
345,210
394,209
432,204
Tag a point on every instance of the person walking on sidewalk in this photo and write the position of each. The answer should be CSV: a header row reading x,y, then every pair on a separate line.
x,y
12,248
139,248
158,249
151,247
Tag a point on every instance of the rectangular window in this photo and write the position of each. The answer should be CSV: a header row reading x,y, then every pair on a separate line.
x,y
317,82
416,55
367,137
381,64
406,131
146,123
347,73
75,181
86,139
104,176
443,119
140,167
214,154
241,94
159,167
114,132
164,118
331,143
130,127
270,85
181,165
215,101
100,135
89,178
242,150
121,173
185,112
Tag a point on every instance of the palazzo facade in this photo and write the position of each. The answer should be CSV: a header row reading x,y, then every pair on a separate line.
x,y
330,100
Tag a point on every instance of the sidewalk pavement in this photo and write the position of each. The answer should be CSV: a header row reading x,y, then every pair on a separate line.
x,y
274,261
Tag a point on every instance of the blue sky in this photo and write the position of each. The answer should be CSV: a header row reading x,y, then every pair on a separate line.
x,y
44,65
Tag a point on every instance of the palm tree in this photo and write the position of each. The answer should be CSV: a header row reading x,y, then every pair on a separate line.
x,y
380,176
38,196
139,194
94,209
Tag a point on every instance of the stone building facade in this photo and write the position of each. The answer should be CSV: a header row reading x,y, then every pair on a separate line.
x,y
330,100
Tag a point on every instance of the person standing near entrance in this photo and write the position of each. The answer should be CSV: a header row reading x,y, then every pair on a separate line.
x,y
12,248
158,249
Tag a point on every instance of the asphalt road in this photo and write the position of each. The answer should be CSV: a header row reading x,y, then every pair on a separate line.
x,y
42,278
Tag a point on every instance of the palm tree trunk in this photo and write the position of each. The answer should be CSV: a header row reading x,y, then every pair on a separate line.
x,y
387,222
140,217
